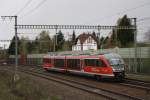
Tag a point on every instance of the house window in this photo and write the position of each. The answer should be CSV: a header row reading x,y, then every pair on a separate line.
x,y
90,40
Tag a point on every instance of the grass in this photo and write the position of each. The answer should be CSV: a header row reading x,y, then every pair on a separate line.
x,y
24,89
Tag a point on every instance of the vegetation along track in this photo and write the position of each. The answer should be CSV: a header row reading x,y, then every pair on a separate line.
x,y
107,90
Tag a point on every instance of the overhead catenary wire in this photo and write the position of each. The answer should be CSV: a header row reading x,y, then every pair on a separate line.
x,y
143,19
134,8
35,8
21,10
127,10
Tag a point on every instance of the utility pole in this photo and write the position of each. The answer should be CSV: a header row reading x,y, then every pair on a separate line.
x,y
98,31
98,35
4,52
55,38
16,76
134,21
135,45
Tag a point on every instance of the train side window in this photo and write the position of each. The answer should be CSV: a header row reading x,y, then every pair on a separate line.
x,y
94,63
59,62
89,62
100,63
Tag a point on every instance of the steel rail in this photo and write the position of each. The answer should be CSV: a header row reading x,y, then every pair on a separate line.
x,y
107,92
86,87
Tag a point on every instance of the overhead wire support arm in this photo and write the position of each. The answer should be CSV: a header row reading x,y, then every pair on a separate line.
x,y
72,27
16,76
55,38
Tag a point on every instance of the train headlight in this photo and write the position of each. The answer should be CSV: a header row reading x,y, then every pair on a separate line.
x,y
115,69
122,68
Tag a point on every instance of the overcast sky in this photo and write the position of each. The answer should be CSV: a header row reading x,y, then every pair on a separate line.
x,y
91,12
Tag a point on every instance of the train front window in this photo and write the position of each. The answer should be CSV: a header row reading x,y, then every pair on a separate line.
x,y
115,61
94,63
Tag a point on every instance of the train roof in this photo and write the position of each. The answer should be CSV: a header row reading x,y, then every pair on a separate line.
x,y
80,54
83,55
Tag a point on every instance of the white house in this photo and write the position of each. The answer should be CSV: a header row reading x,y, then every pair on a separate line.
x,y
85,42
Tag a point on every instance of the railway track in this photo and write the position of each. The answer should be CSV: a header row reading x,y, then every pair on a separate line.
x,y
107,93
137,82
127,82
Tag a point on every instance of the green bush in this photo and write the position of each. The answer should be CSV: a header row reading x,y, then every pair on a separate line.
x,y
24,89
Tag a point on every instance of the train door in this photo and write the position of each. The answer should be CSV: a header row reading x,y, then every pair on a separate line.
x,y
23,59
59,63
81,65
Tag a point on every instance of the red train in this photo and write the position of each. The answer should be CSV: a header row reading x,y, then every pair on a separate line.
x,y
104,65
